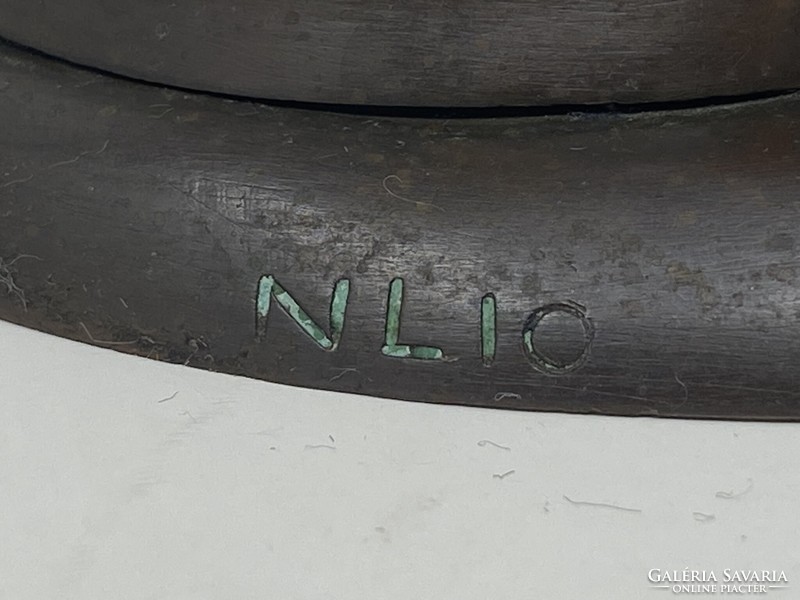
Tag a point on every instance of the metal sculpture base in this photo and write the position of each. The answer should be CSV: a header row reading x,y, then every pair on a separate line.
x,y
626,265
421,53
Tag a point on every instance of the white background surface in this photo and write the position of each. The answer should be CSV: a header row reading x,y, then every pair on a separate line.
x,y
220,492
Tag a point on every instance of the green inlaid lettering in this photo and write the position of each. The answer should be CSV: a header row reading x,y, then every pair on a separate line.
x,y
488,329
391,347
269,288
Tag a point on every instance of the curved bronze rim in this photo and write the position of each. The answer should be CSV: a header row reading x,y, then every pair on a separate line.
x,y
404,257
470,53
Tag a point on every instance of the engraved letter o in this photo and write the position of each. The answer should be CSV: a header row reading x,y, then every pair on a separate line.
x,y
539,360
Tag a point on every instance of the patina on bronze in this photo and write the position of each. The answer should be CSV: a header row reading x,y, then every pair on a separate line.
x,y
428,53
619,264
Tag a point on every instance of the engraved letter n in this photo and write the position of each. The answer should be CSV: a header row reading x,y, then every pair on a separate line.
x,y
268,289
